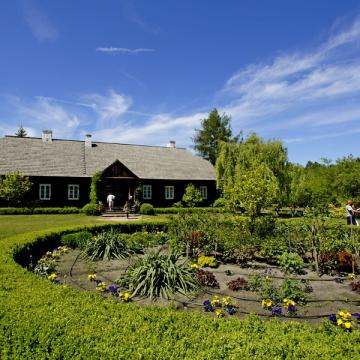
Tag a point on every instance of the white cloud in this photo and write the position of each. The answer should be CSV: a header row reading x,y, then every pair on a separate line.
x,y
110,106
39,23
119,50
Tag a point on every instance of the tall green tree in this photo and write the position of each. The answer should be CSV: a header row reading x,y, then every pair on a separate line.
x,y
21,132
240,164
214,129
13,187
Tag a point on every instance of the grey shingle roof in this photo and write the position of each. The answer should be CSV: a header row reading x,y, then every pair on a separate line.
x,y
33,157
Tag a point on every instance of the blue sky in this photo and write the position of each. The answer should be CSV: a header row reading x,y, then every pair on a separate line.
x,y
145,72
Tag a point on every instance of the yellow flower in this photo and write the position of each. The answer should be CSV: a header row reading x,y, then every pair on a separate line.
x,y
289,302
194,266
351,276
101,287
339,322
226,300
124,296
92,277
52,277
268,278
344,315
347,325
266,303
219,313
215,301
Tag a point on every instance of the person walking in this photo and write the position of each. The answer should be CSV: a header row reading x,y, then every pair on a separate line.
x,y
110,200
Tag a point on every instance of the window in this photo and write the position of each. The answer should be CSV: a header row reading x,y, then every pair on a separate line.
x,y
147,192
45,191
73,192
203,192
169,192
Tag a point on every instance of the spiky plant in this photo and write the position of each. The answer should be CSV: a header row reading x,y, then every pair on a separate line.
x,y
159,276
107,245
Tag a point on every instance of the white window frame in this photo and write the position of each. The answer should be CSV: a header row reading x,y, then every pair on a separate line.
x,y
169,192
73,189
204,192
147,192
45,192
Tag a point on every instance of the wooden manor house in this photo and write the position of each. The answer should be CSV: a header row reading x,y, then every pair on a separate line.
x,y
61,170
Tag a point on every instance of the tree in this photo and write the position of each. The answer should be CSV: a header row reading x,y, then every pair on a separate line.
x,y
242,162
21,132
215,128
13,187
192,196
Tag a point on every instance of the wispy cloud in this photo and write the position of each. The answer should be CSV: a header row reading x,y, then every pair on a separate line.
x,y
120,50
302,82
39,23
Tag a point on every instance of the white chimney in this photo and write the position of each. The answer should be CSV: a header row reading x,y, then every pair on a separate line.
x,y
47,136
88,142
171,144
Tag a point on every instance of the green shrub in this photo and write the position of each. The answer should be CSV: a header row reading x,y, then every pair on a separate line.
x,y
107,245
147,209
192,196
177,204
159,276
77,240
188,210
220,203
44,210
291,263
91,209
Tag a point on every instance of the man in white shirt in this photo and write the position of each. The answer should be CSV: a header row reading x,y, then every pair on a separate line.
x,y
110,200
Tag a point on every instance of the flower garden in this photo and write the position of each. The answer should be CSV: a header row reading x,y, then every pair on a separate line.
x,y
185,288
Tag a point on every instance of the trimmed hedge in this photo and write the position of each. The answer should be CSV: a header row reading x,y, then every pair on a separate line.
x,y
29,211
39,320
188,210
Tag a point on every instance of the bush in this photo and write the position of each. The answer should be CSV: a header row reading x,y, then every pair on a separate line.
x,y
106,246
77,240
206,278
147,209
192,196
238,284
291,263
205,261
219,203
44,210
177,204
91,209
159,276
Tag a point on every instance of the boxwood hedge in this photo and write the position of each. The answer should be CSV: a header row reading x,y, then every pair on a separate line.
x,y
39,320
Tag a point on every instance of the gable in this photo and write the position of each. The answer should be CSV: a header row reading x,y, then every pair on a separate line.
x,y
118,170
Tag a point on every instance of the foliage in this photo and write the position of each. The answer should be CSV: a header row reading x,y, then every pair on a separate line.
x,y
13,187
147,209
238,284
249,163
205,261
77,240
38,318
95,188
192,196
187,210
21,132
206,278
215,128
291,263
177,204
42,210
219,203
159,276
91,209
106,245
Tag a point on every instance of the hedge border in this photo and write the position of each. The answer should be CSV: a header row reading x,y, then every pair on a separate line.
x,y
39,320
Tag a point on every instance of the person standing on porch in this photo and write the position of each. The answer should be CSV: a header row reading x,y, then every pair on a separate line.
x,y
110,200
